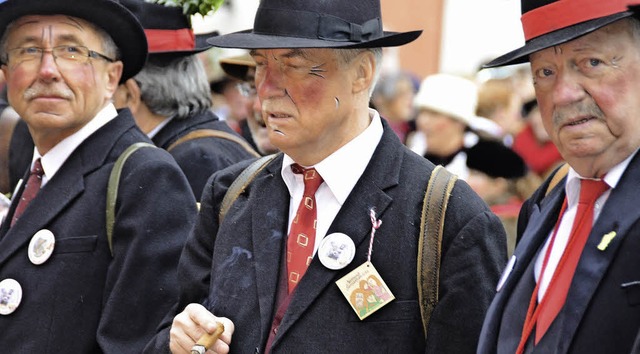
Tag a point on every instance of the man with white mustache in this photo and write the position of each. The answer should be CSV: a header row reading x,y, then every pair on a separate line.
x,y
68,287
572,285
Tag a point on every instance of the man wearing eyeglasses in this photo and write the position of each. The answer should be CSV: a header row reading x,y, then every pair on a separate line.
x,y
170,98
64,287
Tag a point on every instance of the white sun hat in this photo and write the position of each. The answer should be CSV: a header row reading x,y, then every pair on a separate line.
x,y
448,94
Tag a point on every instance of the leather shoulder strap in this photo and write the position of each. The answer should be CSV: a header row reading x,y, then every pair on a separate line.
x,y
112,188
241,182
206,133
560,173
434,209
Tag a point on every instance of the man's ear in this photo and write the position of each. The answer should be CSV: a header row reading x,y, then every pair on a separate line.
x,y
365,66
128,95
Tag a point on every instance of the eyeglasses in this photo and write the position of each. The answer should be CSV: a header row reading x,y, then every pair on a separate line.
x,y
65,56
246,89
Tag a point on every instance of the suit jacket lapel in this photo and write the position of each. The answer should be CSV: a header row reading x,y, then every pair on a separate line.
x,y
593,262
541,221
65,186
353,220
269,222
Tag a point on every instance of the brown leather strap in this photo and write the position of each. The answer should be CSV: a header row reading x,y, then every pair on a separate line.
x,y
241,182
8,120
434,209
557,177
206,133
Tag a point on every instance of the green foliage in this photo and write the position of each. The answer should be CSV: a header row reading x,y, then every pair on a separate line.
x,y
192,7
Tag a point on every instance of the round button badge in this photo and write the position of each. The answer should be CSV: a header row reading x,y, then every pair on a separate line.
x,y
10,296
41,246
336,251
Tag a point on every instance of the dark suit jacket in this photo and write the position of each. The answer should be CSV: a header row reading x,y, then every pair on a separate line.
x,y
83,300
602,311
241,282
200,158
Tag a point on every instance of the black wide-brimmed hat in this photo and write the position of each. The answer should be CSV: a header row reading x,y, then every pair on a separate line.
x,y
315,24
110,15
167,28
548,23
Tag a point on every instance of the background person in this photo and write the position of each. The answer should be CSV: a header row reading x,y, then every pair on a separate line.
x,y
170,99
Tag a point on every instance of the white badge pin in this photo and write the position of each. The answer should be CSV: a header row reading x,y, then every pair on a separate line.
x,y
10,296
41,246
336,251
506,272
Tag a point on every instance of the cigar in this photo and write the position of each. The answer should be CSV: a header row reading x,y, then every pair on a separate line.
x,y
206,341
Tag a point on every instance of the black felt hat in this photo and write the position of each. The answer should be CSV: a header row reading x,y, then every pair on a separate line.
x,y
316,24
495,159
167,28
548,23
110,15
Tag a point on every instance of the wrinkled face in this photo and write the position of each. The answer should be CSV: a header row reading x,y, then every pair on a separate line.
x,y
57,100
307,99
587,90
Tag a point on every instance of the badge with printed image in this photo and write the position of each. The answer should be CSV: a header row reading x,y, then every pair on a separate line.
x,y
336,251
41,246
10,296
365,290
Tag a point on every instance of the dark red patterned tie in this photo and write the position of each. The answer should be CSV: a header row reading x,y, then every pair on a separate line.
x,y
302,235
30,190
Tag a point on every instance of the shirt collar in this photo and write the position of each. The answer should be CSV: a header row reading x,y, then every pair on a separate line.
x,y
612,178
356,154
55,158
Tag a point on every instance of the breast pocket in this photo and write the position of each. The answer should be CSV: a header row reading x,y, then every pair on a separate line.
x,y
632,292
76,244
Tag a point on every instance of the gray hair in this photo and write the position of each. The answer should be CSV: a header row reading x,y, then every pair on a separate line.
x,y
347,55
175,88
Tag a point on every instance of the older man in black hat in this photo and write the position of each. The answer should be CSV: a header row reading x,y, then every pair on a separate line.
x,y
572,285
65,286
320,251
170,98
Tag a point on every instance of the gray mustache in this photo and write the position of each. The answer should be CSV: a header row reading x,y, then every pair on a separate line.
x,y
38,91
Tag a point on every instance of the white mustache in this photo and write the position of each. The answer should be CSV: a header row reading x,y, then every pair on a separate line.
x,y
38,91
589,109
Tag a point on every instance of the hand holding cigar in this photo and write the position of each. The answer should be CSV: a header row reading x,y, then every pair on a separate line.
x,y
207,340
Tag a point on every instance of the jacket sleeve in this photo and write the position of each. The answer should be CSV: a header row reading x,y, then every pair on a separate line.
x,y
155,211
473,255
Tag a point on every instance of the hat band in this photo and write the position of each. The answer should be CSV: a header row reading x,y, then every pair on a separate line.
x,y
565,13
170,40
305,24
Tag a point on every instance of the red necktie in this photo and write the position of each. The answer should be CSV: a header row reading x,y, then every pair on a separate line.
x,y
556,293
302,235
30,190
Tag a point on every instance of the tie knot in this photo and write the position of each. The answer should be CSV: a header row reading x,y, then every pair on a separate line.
x,y
311,177
591,189
37,169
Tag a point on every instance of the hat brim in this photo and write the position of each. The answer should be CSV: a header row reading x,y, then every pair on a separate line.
x,y
116,20
247,39
521,55
238,66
